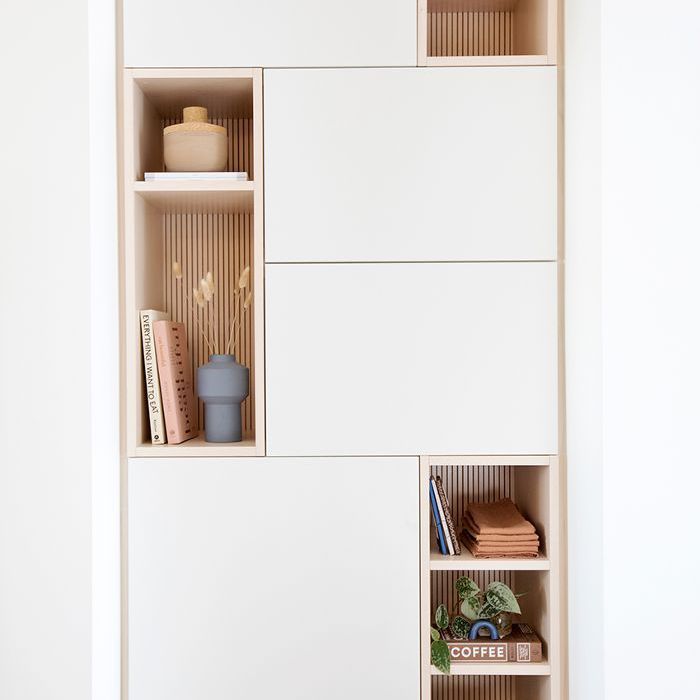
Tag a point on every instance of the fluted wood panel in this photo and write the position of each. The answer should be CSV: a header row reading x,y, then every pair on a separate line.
x,y
471,34
240,142
222,244
473,688
475,484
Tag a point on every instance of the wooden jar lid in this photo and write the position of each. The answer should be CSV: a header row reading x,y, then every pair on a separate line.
x,y
195,119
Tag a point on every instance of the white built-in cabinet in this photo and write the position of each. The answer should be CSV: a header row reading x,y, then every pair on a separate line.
x,y
413,358
233,33
273,578
411,164
401,224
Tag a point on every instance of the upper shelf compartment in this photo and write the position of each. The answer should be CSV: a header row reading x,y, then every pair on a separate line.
x,y
487,32
208,223
155,99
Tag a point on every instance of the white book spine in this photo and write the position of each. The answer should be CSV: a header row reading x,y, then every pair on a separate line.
x,y
443,520
154,403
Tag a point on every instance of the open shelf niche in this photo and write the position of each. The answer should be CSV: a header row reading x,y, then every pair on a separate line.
x,y
487,32
533,484
206,225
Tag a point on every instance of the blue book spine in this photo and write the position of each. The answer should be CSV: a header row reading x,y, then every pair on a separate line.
x,y
436,515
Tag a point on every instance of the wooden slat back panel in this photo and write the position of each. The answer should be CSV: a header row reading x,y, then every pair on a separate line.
x,y
471,34
476,484
472,688
222,244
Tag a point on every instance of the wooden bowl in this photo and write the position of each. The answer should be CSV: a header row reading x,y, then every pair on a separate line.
x,y
195,145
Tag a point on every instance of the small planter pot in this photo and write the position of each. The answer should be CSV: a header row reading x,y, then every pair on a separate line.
x,y
223,385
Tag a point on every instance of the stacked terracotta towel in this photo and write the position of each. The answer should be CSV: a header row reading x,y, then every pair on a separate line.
x,y
493,530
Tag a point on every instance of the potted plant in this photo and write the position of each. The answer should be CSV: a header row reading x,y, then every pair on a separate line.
x,y
496,604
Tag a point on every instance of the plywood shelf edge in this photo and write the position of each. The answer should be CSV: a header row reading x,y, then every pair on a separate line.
x,y
513,669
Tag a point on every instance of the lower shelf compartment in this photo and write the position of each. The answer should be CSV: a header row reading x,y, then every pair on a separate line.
x,y
490,687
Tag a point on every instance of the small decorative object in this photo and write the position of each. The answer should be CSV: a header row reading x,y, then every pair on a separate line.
x,y
475,610
483,625
222,384
195,145
503,622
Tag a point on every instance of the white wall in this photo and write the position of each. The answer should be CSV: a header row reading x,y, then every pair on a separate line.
x,y
651,345
584,346
44,353
633,346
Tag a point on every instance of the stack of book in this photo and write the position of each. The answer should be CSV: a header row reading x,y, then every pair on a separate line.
x,y
170,402
447,540
522,645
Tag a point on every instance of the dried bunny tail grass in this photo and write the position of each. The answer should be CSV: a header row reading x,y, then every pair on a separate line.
x,y
206,290
210,282
243,279
248,300
198,297
177,270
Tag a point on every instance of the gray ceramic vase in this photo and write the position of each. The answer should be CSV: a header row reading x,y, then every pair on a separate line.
x,y
223,385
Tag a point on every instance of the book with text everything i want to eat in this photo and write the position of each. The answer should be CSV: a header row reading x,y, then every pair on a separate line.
x,y
436,518
443,520
154,405
448,516
175,376
521,646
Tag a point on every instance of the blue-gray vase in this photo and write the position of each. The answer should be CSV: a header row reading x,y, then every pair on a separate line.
x,y
223,385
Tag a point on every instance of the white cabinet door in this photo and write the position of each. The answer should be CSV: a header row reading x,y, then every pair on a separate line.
x,y
231,33
411,164
273,578
381,359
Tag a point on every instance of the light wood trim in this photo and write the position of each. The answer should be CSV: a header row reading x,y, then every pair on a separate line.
x,y
182,198
553,33
191,186
198,447
175,74
423,32
467,562
514,669
473,5
557,614
424,475
259,261
456,61
132,361
490,460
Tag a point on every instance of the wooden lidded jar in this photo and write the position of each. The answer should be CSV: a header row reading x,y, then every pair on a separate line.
x,y
195,145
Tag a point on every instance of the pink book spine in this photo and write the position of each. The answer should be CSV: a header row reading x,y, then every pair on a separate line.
x,y
175,376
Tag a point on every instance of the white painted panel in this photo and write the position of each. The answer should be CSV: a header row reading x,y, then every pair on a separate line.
x,y
258,578
411,164
411,358
230,33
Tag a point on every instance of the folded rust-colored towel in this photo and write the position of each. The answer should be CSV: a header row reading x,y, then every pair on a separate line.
x,y
499,518
471,527
515,551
